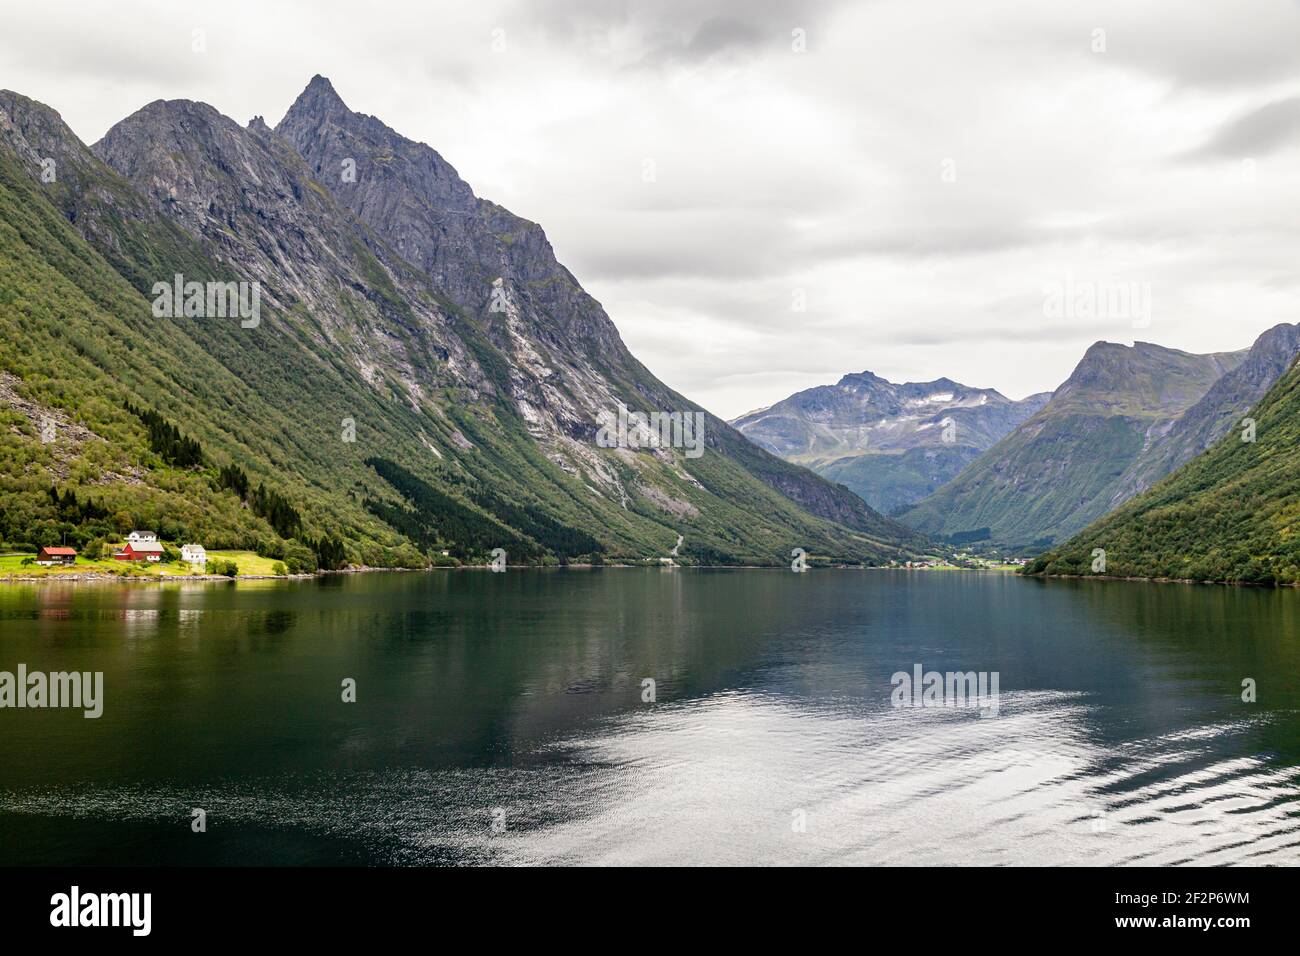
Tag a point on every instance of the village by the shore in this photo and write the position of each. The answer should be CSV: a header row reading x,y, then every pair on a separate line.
x,y
140,554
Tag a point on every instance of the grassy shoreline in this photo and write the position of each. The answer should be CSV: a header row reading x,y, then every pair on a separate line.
x,y
250,565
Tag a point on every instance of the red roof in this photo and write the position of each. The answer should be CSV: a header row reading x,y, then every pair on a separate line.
x,y
71,551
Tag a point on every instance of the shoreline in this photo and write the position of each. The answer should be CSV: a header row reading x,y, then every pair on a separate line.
x,y
145,578
95,577
99,578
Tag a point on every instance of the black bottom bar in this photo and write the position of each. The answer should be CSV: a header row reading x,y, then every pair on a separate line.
x,y
940,907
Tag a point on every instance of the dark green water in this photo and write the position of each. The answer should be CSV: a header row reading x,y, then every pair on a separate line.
x,y
516,699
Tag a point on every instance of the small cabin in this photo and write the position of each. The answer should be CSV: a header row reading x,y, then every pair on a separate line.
x,y
50,556
194,554
141,537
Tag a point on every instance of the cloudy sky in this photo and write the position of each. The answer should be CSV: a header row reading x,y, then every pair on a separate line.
x,y
765,194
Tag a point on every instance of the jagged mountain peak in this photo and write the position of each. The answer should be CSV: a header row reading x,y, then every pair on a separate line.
x,y
319,101
870,382
320,86
862,378
37,132
411,196
248,195
321,126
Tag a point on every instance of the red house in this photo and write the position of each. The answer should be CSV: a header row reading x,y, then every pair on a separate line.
x,y
56,556
140,551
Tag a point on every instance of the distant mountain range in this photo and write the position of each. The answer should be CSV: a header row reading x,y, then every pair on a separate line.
x,y
423,376
891,444
964,464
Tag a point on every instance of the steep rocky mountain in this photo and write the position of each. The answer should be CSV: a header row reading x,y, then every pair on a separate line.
x,y
567,359
1220,410
1229,514
423,374
1061,469
891,444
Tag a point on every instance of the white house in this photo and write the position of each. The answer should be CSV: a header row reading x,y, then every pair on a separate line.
x,y
194,554
141,537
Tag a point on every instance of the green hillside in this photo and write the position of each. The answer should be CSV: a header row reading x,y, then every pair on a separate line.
x,y
1232,514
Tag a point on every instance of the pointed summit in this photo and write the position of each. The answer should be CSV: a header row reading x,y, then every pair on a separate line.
x,y
319,99
321,86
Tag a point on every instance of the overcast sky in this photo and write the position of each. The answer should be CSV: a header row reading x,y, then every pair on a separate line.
x,y
940,185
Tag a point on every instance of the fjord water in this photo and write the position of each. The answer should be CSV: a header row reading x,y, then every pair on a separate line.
x,y
499,719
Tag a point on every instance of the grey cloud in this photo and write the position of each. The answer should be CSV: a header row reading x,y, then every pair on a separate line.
x,y
1209,46
737,243
1284,281
719,35
1257,133
1033,329
928,239
86,51
666,32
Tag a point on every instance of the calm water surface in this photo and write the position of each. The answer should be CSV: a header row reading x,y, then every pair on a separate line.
x,y
1121,736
